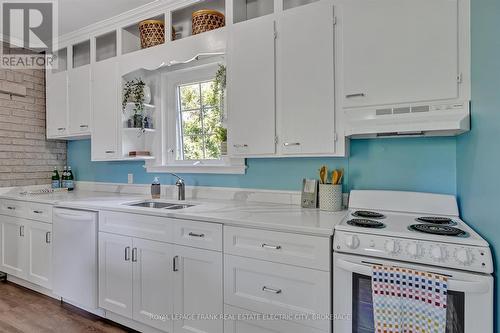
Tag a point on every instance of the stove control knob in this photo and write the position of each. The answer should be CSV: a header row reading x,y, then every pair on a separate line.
x,y
391,247
438,253
414,250
464,257
352,241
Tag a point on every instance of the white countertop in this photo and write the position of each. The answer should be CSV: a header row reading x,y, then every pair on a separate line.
x,y
271,216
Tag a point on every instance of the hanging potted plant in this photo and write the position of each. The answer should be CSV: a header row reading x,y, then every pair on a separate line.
x,y
221,134
137,92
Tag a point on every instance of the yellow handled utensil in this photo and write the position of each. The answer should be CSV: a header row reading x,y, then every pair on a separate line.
x,y
335,177
323,174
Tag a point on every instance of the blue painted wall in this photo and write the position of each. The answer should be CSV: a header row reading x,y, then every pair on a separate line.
x,y
478,152
423,164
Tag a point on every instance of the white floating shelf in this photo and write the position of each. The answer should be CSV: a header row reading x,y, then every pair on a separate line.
x,y
149,106
135,129
137,158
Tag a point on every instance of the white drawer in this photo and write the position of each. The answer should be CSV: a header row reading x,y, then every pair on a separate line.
x,y
136,225
12,208
287,248
39,212
203,235
272,288
243,321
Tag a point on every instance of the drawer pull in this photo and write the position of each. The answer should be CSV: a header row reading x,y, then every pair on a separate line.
x,y
176,263
290,144
355,95
241,146
11,208
109,151
192,234
127,253
21,231
134,254
38,211
84,126
273,247
47,238
61,129
271,290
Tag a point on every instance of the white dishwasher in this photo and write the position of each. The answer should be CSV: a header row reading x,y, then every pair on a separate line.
x,y
75,277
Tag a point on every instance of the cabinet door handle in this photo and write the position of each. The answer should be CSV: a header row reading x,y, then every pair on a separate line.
x,y
21,231
241,146
84,126
271,290
61,128
273,247
176,263
134,254
11,208
289,144
355,95
127,253
47,237
38,212
109,151
192,234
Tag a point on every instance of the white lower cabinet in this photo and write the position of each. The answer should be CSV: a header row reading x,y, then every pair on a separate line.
x,y
243,321
150,281
39,237
198,288
26,250
13,247
152,286
115,274
273,288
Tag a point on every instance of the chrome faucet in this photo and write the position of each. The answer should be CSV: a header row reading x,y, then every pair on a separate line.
x,y
181,187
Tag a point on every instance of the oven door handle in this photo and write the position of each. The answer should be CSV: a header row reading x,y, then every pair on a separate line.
x,y
456,285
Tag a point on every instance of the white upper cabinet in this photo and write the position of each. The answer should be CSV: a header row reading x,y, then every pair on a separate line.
x,y
57,104
79,100
105,110
250,86
305,67
398,51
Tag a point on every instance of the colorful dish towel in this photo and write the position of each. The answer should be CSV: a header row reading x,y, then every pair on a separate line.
x,y
408,301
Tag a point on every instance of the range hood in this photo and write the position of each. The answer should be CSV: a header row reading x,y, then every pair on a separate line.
x,y
410,120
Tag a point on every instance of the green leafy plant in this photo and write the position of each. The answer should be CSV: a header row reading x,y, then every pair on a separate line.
x,y
221,134
220,79
134,91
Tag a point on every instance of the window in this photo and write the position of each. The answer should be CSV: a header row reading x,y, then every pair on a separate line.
x,y
200,121
192,125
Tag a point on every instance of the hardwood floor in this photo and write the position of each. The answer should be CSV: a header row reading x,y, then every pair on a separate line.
x,y
23,310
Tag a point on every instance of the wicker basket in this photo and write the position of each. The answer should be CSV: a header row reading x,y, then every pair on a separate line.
x,y
206,20
152,33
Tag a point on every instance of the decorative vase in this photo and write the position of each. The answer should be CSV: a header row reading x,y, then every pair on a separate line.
x,y
138,120
330,197
223,148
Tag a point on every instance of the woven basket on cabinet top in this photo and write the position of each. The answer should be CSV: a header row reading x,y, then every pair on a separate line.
x,y
152,33
206,20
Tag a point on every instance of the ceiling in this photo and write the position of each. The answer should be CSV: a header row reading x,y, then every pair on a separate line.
x,y
76,14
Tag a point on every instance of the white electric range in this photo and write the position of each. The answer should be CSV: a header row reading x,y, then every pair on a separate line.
x,y
420,231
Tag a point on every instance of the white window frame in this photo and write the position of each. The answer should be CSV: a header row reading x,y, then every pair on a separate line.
x,y
168,128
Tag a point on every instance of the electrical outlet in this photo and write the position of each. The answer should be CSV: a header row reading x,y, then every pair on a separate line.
x,y
130,178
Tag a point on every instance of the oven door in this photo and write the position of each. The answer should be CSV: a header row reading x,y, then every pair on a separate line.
x,y
470,296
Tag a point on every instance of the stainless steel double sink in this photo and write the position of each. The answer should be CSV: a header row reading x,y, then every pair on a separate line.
x,y
161,205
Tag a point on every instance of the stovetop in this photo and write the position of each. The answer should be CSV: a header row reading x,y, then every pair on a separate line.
x,y
448,229
411,227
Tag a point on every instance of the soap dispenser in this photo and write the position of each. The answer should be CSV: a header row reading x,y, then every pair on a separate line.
x,y
156,189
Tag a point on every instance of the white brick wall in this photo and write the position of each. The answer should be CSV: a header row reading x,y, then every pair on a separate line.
x,y
26,157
